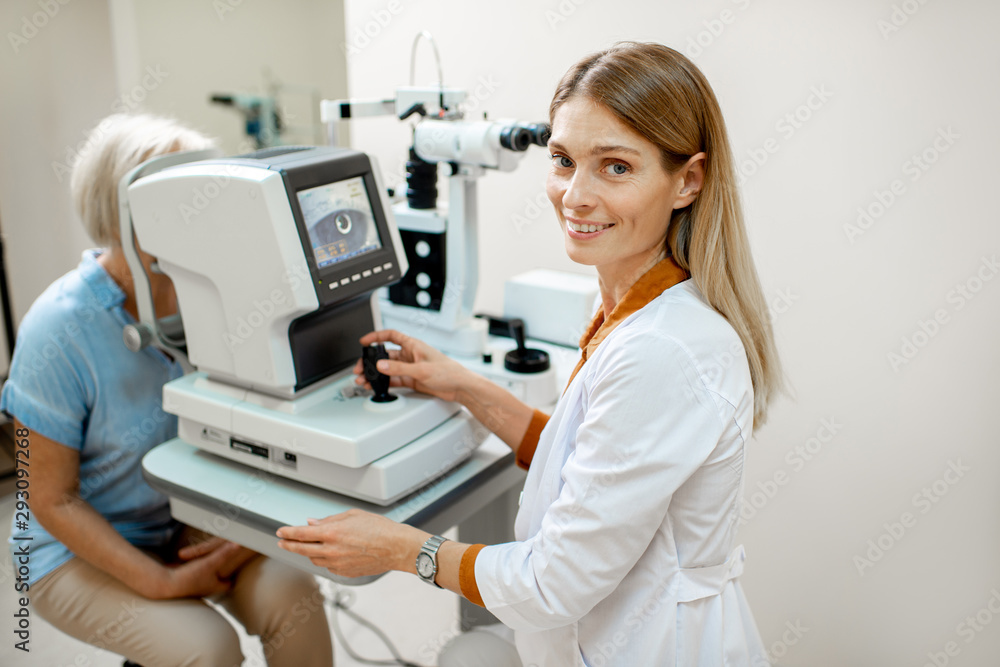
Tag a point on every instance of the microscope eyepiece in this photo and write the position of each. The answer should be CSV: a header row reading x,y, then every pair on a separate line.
x,y
515,138
539,132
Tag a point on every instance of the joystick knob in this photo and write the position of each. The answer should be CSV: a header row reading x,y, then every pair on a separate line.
x,y
524,359
378,380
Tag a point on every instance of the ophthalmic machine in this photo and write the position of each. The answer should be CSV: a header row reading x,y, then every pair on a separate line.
x,y
283,258
276,257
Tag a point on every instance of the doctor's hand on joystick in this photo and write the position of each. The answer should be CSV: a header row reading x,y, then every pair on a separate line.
x,y
415,365
379,381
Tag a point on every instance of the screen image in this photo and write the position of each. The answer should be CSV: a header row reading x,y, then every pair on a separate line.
x,y
339,220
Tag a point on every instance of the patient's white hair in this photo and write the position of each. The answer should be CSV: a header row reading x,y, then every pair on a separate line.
x,y
119,143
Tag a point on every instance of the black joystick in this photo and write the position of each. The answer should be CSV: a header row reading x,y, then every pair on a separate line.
x,y
378,380
523,359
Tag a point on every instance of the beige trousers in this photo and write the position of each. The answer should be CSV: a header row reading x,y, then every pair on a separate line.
x,y
282,605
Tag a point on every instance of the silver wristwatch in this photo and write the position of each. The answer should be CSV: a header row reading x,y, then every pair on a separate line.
x,y
427,560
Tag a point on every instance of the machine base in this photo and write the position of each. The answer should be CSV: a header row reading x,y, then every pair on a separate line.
x,y
333,423
333,438
381,482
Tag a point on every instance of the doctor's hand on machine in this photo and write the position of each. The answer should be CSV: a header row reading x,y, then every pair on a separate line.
x,y
415,365
422,368
358,543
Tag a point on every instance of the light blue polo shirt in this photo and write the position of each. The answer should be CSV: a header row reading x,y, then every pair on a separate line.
x,y
73,380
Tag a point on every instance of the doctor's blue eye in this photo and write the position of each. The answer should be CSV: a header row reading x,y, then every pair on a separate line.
x,y
618,168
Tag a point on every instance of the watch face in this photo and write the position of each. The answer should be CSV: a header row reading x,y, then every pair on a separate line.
x,y
425,565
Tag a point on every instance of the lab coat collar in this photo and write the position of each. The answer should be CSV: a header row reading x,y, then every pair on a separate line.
x,y
652,284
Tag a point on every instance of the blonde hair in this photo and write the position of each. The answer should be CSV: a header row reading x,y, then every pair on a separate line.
x,y
119,143
663,96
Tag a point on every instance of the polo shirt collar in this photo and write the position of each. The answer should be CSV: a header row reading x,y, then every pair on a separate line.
x,y
105,289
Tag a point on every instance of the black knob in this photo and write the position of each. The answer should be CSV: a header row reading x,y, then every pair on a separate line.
x,y
524,359
378,380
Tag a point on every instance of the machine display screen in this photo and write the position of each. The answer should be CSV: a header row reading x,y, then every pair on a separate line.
x,y
338,217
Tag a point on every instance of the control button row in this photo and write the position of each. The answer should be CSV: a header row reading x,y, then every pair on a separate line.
x,y
367,273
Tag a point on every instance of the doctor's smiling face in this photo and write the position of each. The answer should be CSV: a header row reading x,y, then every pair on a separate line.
x,y
611,193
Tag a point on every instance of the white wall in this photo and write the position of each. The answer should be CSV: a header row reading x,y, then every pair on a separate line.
x,y
58,81
233,46
842,303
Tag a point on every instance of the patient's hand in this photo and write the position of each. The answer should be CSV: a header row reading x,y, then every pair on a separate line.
x,y
236,558
198,577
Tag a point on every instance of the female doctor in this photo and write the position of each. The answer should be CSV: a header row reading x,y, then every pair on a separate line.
x,y
626,551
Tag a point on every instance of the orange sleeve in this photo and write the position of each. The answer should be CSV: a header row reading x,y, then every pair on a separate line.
x,y
526,450
467,575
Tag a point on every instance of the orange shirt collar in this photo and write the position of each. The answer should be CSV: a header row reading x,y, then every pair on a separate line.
x,y
654,282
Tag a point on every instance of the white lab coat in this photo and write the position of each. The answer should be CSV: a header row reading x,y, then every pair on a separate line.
x,y
627,527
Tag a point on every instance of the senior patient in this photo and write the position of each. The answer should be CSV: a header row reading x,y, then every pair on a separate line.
x,y
109,565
